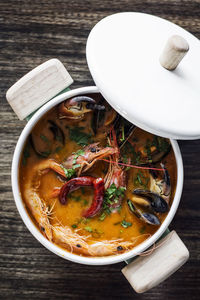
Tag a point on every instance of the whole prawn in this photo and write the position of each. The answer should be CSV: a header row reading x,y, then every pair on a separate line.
x,y
75,242
32,197
33,200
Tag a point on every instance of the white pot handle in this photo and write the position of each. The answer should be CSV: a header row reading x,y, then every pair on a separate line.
x,y
37,87
145,272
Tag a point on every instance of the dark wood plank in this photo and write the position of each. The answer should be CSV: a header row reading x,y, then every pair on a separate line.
x,y
30,33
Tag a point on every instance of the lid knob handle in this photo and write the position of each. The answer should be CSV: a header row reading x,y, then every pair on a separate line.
x,y
174,51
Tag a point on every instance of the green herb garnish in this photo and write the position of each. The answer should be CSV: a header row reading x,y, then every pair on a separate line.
x,y
85,202
75,198
74,226
77,135
77,154
71,172
140,179
148,151
111,196
96,233
126,224
88,228
102,216
142,229
161,144
122,132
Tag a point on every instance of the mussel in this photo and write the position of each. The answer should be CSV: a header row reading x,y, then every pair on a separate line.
x,y
76,107
42,143
156,202
147,217
57,132
102,119
124,129
161,185
155,151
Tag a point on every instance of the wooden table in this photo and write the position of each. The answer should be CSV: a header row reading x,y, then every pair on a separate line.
x,y
32,32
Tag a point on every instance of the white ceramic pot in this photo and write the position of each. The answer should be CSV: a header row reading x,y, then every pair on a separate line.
x,y
30,225
166,256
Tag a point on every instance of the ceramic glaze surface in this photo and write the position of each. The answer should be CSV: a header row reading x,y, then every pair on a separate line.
x,y
123,53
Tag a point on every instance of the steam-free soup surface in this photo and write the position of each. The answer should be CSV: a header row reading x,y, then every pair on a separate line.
x,y
54,139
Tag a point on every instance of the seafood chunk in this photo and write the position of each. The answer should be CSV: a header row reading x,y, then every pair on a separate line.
x,y
44,144
73,241
32,198
75,108
157,203
144,216
88,156
162,186
102,119
155,151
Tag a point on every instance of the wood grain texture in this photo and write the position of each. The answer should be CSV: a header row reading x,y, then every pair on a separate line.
x,y
32,32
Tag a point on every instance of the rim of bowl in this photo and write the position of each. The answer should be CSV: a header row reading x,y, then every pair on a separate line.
x,y
35,231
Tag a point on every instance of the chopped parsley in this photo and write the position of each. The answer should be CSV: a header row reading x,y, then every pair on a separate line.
x,y
88,228
126,224
112,195
135,155
95,232
160,143
148,151
85,202
69,173
74,226
102,216
142,229
78,153
141,180
77,135
75,198
122,134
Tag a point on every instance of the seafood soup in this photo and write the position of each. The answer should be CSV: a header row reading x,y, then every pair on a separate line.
x,y
93,183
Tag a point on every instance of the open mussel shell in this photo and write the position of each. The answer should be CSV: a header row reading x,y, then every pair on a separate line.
x,y
158,156
158,204
155,152
43,144
150,219
42,147
103,116
146,217
57,132
123,129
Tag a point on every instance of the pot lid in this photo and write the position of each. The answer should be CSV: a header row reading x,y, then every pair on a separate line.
x,y
123,53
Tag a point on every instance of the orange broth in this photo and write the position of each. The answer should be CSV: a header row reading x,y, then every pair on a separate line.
x,y
96,228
